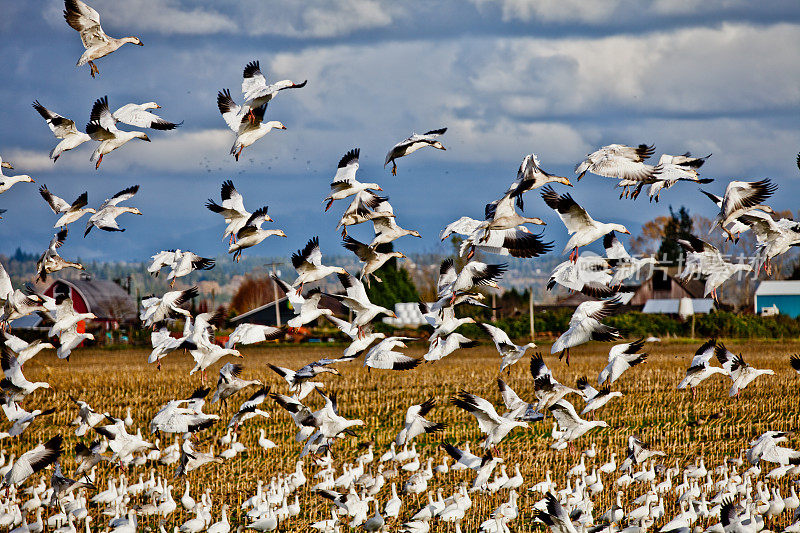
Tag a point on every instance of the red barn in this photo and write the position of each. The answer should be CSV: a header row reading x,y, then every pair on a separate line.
x,y
108,301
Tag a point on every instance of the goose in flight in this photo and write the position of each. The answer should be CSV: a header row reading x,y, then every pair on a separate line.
x,y
102,127
588,274
442,346
137,115
773,237
62,128
306,307
20,418
673,168
15,385
620,162
106,216
738,226
66,316
365,206
50,261
637,453
740,197
344,183
6,182
571,424
625,266
416,424
21,303
69,212
232,210
583,228
252,234
356,298
701,368
387,230
585,326
510,352
247,124
621,357
308,264
252,334
33,461
492,424
25,351
155,310
531,176
230,382
249,409
595,399
180,264
71,339
86,21
384,356
183,416
370,256
513,404
546,387
296,378
501,215
359,343
412,144
740,372
474,274
301,415
255,89
516,242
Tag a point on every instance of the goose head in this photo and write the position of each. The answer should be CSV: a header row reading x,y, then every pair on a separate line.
x,y
438,145
133,40
275,124
141,135
619,228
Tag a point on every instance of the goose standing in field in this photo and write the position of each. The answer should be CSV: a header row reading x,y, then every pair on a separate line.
x,y
625,266
370,256
247,124
621,357
701,367
252,234
740,372
571,424
102,127
106,216
416,424
356,298
232,210
255,89
155,310
740,197
412,144
69,212
493,425
253,334
33,461
307,308
583,228
344,183
62,128
86,21
25,351
359,343
531,176
308,264
510,352
585,326
595,399
384,356
230,382
620,162
50,261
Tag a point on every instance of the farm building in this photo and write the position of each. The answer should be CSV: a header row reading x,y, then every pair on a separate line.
x,y
783,296
663,286
108,301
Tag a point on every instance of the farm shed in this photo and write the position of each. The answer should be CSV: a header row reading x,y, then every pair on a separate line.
x,y
108,301
783,295
671,306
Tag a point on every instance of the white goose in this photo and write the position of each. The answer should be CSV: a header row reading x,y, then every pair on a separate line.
x,y
6,182
102,127
344,183
739,198
252,234
510,352
740,372
412,144
137,115
232,210
106,216
416,424
531,176
701,368
495,427
308,264
252,334
306,307
572,425
69,212
356,299
247,124
620,162
585,326
25,351
62,128
621,357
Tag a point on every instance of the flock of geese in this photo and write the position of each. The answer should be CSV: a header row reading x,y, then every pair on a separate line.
x,y
376,490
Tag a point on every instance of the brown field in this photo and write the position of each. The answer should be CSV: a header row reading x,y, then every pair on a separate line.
x,y
651,408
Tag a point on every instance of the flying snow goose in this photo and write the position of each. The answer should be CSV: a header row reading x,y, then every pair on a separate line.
x,y
86,21
255,89
62,128
102,127
137,115
547,388
595,399
619,161
514,404
252,334
583,228
444,322
766,447
637,453
441,347
773,237
531,176
356,299
50,261
33,461
737,227
701,367
621,357
66,316
249,409
384,356
570,423
106,216
15,385
740,372
370,256
474,274
155,310
585,326
25,351
301,415
501,215
187,262
25,302
412,144
20,418
416,424
739,198
230,382
308,264
387,230
295,378
516,242
721,272
554,516
493,425
69,212
510,352
206,353
247,124
344,183
588,274
359,343
674,168
232,210
306,307
625,266
252,233
365,206
6,182
163,343
701,257
69,340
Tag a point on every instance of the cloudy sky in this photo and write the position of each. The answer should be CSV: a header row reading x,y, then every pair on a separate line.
x,y
507,77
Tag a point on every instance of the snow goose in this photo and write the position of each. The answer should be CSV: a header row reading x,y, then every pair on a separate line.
x,y
102,127
344,183
306,307
370,256
585,326
700,367
187,262
106,216
621,357
493,425
516,242
441,347
232,210
555,516
255,89
86,21
740,372
155,310
206,354
620,162
383,356
66,316
416,424
673,168
531,176
6,182
183,416
252,334
50,261
137,115
62,485
583,228
719,273
331,423
739,198
87,417
545,386
359,343
33,461
637,453
387,230
356,299
62,128
308,264
249,409
69,212
474,274
365,206
251,233
501,215
412,144
21,303
570,423
247,124
625,266
513,404
444,322
510,352
301,415
296,378
88,456
595,399
588,274
25,351
773,237
15,385
20,418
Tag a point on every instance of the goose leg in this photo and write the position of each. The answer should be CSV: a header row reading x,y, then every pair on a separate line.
x,y
93,69
394,168
100,160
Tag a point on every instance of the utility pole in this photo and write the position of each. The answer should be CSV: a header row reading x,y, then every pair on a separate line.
x,y
274,264
530,312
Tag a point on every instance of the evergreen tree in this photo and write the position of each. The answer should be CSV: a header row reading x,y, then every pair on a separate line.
x,y
397,286
678,226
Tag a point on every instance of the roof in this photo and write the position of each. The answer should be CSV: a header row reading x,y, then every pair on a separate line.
x,y
766,288
106,299
26,322
670,306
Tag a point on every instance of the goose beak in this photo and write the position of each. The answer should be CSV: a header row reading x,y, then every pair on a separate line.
x,y
146,138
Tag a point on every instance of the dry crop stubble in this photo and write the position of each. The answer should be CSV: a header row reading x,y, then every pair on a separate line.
x,y
652,408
